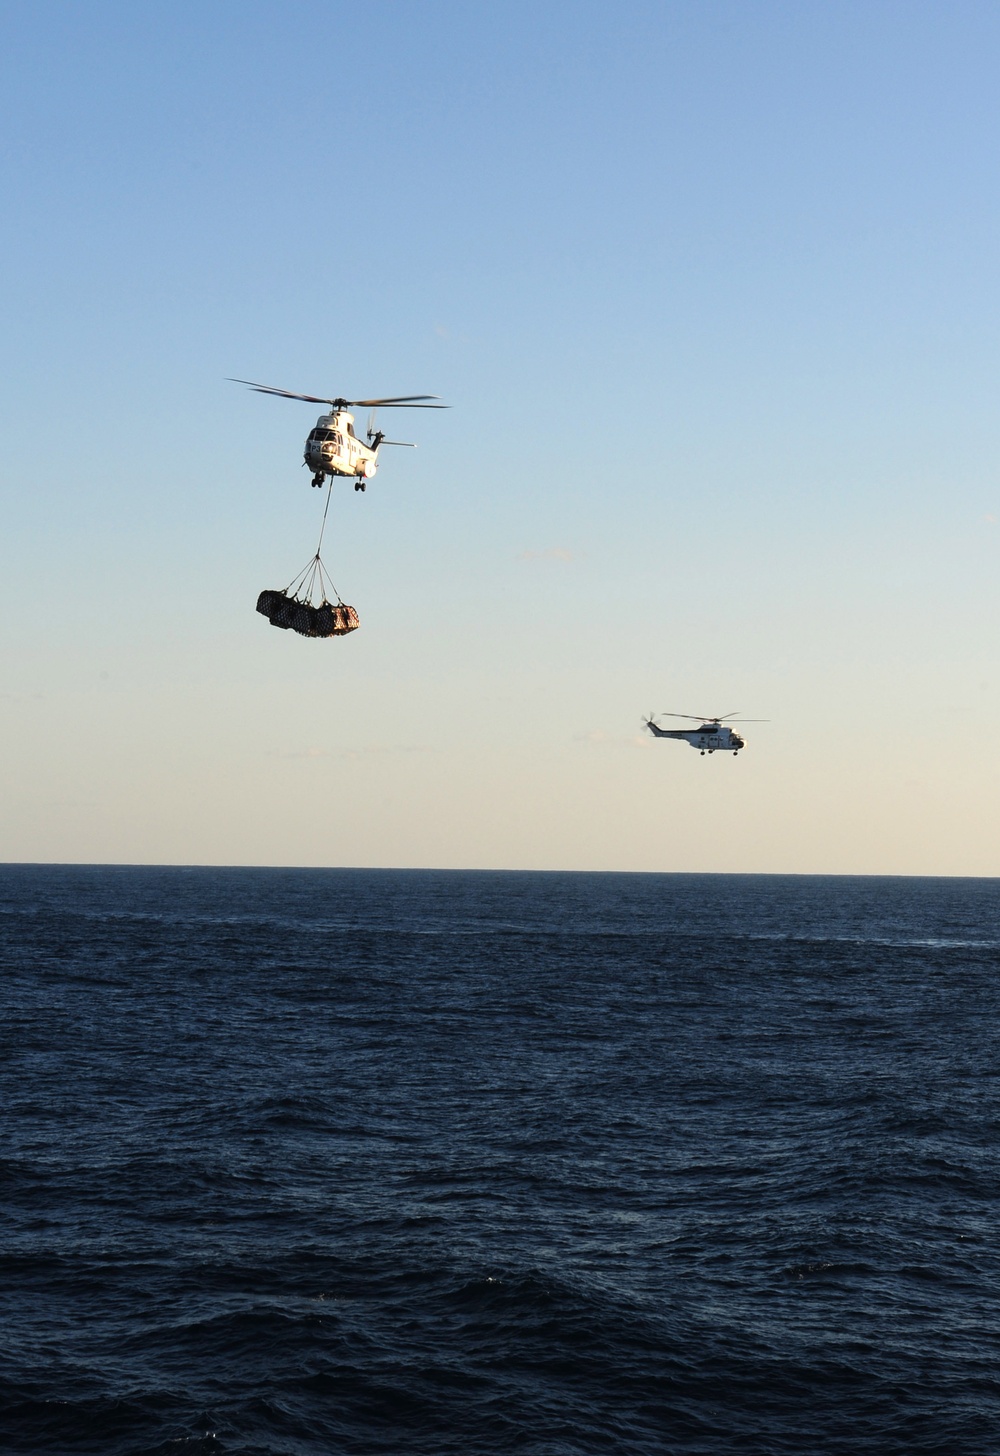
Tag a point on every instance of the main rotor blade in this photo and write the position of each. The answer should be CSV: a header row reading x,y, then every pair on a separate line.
x,y
406,444
716,718
285,393
711,718
401,399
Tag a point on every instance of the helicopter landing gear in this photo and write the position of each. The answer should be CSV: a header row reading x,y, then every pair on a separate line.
x,y
318,478
359,485
703,753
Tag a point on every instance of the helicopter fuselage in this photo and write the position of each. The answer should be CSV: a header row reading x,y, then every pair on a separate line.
x,y
332,448
709,738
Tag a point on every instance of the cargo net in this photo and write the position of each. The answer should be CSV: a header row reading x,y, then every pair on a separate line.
x,y
293,608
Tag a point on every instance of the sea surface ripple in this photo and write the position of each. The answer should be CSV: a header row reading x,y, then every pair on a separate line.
x,y
320,1161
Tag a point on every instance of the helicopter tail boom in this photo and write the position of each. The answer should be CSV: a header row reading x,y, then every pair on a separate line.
x,y
658,732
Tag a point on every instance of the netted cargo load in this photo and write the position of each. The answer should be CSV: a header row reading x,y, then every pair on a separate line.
x,y
335,620
279,608
276,607
268,602
329,619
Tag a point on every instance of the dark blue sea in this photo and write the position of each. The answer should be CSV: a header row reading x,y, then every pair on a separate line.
x,y
329,1161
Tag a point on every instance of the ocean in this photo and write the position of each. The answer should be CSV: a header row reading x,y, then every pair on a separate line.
x,y
334,1161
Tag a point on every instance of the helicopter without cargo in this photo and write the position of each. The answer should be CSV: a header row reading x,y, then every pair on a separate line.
x,y
712,736
332,448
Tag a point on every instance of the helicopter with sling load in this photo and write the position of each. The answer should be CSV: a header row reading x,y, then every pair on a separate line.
x,y
712,736
332,448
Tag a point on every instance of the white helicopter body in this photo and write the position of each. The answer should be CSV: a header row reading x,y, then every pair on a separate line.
x,y
332,448
712,736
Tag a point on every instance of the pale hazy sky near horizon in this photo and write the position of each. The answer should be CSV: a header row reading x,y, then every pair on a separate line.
x,y
712,289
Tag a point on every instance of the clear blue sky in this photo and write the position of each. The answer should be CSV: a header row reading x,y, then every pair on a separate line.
x,y
712,288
